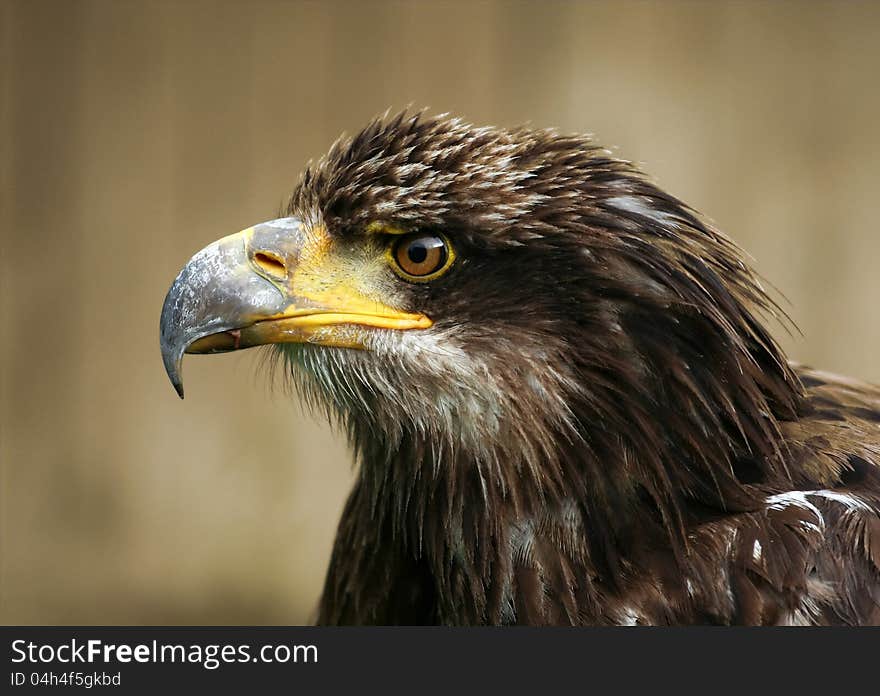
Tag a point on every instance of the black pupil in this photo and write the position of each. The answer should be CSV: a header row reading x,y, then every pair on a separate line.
x,y
417,252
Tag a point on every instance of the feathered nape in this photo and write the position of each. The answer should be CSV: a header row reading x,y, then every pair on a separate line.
x,y
613,387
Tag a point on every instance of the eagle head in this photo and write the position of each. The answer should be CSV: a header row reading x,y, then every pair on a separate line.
x,y
513,312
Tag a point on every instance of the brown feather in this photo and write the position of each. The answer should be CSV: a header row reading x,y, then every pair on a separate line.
x,y
602,429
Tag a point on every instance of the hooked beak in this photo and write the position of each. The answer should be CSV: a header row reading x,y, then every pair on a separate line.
x,y
270,283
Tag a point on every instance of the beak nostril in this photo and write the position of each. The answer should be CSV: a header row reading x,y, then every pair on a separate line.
x,y
271,263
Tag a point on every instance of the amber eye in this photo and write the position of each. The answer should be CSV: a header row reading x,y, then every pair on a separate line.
x,y
421,256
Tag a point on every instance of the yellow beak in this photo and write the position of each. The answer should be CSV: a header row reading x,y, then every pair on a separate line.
x,y
267,284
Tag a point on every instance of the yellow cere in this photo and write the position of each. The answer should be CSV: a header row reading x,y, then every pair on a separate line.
x,y
329,281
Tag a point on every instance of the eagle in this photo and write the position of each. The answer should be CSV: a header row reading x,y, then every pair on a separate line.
x,y
558,383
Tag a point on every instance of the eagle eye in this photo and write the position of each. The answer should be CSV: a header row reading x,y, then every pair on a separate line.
x,y
420,257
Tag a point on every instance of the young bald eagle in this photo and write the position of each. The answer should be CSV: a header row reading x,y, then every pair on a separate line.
x,y
563,402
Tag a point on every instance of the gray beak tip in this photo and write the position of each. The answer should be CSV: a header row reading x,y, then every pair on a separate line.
x,y
218,290
173,369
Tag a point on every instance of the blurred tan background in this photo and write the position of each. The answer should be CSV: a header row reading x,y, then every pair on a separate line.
x,y
134,133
